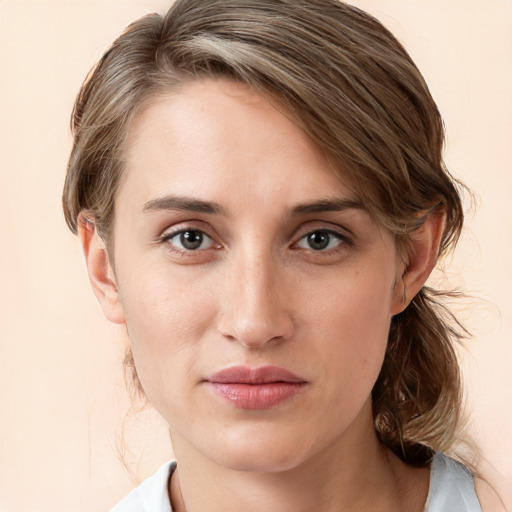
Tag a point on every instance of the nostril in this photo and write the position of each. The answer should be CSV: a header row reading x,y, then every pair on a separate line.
x,y
252,332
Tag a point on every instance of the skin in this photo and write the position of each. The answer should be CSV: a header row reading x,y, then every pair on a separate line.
x,y
255,293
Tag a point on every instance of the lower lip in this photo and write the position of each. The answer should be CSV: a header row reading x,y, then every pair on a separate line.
x,y
256,396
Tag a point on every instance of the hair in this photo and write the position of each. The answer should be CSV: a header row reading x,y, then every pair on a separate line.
x,y
353,88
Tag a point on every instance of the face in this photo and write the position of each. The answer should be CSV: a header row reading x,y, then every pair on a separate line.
x,y
256,290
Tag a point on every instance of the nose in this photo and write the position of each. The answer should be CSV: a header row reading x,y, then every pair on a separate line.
x,y
255,310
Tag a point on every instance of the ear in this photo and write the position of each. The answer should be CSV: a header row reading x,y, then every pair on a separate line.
x,y
421,259
100,271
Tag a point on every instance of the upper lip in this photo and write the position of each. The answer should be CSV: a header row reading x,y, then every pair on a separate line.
x,y
246,375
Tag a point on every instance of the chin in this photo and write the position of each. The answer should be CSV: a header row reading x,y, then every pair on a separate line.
x,y
261,454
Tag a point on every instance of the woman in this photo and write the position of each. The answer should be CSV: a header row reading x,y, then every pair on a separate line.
x,y
260,194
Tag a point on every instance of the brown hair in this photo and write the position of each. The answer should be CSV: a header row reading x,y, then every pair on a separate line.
x,y
355,91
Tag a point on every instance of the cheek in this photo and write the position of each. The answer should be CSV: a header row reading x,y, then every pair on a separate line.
x,y
354,324
166,319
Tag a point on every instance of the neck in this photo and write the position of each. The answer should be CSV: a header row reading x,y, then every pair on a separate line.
x,y
355,473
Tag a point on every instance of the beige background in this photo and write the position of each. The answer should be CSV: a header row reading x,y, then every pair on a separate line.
x,y
63,405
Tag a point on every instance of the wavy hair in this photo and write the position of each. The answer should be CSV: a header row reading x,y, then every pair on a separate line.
x,y
352,87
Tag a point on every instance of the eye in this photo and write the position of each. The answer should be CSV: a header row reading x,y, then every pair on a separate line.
x,y
189,240
321,240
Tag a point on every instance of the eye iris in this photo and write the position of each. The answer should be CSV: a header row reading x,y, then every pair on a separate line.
x,y
318,240
191,239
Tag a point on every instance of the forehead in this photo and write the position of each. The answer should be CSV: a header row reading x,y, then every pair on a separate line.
x,y
222,134
206,112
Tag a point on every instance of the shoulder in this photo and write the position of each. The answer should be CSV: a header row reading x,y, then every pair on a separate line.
x,y
488,497
151,495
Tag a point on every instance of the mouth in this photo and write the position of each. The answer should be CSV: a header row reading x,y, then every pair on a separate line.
x,y
255,388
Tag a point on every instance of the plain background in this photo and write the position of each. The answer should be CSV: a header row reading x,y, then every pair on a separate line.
x,y
64,408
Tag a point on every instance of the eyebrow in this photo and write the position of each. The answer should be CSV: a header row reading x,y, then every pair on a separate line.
x,y
327,205
183,204
212,208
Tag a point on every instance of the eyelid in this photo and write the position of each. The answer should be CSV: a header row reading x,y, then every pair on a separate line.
x,y
170,233
343,233
187,225
178,234
340,242
173,231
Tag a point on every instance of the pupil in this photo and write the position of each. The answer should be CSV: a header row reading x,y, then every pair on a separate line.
x,y
191,239
318,240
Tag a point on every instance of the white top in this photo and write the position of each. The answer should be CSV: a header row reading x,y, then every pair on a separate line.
x,y
451,487
451,490
151,495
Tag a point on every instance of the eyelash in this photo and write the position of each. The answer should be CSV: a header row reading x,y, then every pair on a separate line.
x,y
344,242
183,251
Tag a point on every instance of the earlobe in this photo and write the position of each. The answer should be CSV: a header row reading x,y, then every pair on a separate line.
x,y
421,260
100,271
